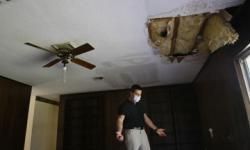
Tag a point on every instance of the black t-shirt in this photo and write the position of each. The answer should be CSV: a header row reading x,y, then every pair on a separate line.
x,y
134,114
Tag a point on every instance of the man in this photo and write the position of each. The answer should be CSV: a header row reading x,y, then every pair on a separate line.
x,y
131,119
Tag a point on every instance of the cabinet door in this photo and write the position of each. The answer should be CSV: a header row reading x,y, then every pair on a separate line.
x,y
83,123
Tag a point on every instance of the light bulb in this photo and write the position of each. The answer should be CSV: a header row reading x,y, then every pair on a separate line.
x,y
64,73
65,68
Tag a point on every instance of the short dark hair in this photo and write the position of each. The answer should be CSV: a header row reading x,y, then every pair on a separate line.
x,y
135,87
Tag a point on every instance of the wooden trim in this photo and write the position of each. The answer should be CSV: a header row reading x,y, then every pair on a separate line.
x,y
60,129
149,24
243,78
127,89
160,18
175,33
240,67
45,100
15,81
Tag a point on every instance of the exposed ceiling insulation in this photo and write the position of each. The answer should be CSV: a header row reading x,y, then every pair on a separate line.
x,y
186,35
217,33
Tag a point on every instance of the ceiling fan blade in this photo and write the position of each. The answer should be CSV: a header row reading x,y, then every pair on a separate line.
x,y
83,63
53,62
33,45
82,49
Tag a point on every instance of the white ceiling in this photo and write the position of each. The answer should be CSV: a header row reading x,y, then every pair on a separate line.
x,y
117,30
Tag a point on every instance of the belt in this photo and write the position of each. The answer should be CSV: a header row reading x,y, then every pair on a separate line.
x,y
136,128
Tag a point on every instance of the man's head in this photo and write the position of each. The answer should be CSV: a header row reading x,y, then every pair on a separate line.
x,y
135,93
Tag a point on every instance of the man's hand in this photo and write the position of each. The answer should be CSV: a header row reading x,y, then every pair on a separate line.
x,y
119,136
119,124
161,132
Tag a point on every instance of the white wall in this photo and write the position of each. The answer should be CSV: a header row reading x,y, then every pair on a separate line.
x,y
32,119
27,143
44,132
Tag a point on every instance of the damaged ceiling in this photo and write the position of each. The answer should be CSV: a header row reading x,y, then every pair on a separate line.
x,y
187,35
118,32
168,8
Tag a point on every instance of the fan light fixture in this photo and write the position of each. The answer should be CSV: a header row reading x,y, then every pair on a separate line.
x,y
66,53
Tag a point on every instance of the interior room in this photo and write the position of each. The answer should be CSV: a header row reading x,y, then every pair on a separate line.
x,y
71,73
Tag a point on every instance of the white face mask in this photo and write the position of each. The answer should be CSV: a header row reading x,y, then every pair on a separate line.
x,y
136,98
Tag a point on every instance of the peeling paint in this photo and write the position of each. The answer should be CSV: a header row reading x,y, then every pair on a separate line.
x,y
191,7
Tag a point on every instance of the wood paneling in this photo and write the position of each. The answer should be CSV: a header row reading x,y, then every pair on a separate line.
x,y
186,118
83,123
112,101
173,108
218,91
14,105
160,110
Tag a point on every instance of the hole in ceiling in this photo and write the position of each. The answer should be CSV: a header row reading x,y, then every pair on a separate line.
x,y
164,33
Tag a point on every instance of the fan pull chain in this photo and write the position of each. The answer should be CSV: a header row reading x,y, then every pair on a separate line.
x,y
64,74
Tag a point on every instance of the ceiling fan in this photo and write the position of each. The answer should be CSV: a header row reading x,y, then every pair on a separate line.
x,y
66,53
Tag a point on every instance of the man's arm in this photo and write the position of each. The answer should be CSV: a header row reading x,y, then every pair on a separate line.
x,y
119,126
149,122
